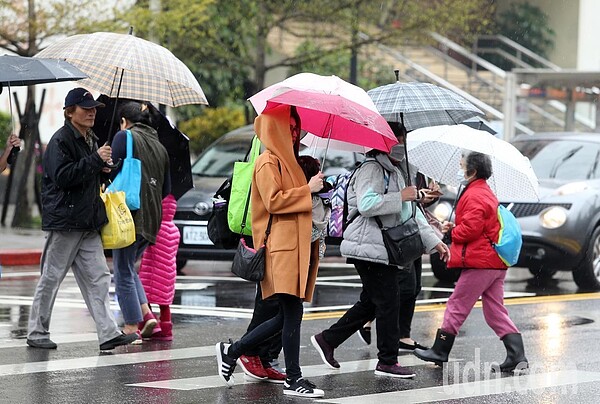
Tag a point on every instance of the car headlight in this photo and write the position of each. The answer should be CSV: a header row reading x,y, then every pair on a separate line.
x,y
442,211
202,208
553,217
572,188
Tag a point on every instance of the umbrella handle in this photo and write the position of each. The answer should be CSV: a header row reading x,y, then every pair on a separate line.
x,y
115,165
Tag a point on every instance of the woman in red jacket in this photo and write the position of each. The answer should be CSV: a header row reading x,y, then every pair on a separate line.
x,y
483,272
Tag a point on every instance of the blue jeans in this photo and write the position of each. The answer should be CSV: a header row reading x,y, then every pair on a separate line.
x,y
128,286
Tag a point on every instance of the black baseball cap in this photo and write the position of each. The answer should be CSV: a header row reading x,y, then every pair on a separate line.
x,y
82,97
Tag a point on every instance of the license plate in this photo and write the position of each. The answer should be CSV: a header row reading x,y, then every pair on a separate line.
x,y
196,235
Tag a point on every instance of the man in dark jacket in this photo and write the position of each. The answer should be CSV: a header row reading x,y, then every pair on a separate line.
x,y
72,215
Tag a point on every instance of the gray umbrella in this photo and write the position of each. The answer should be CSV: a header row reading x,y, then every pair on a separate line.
x,y
419,105
25,71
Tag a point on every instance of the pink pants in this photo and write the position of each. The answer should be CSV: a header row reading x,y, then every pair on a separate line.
x,y
487,283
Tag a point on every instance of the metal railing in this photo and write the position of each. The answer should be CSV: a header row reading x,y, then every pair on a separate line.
x,y
520,52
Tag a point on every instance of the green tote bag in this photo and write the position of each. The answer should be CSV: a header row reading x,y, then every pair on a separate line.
x,y
238,211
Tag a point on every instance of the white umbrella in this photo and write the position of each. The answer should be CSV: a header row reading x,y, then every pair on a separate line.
x,y
437,151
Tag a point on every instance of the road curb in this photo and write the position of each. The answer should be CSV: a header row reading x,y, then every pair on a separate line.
x,y
20,257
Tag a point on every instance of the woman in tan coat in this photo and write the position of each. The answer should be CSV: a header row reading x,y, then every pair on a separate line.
x,y
280,190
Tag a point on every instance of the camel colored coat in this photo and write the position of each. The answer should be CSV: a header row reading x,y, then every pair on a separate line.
x,y
279,188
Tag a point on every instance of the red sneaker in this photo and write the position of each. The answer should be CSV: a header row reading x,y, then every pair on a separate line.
x,y
147,325
252,367
274,376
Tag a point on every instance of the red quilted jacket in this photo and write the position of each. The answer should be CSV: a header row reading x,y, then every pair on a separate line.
x,y
476,226
158,269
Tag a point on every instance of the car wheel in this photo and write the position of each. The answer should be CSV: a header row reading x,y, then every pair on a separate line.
x,y
587,274
540,274
180,264
440,271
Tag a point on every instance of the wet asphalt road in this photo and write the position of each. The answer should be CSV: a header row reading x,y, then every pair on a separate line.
x,y
560,329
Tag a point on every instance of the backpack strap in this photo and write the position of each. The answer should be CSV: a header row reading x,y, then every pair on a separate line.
x,y
356,213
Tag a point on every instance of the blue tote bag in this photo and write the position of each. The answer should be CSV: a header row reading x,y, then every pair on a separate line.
x,y
129,179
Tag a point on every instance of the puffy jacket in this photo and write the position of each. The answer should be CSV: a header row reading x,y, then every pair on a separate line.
x,y
476,226
158,268
71,183
366,194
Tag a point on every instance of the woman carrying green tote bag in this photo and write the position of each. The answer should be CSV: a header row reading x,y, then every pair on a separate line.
x,y
238,211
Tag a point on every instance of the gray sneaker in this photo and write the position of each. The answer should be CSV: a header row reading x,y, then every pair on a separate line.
x,y
44,343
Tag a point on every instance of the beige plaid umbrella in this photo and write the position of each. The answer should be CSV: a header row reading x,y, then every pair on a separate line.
x,y
150,71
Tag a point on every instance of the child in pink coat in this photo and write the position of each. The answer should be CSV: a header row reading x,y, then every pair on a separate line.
x,y
158,270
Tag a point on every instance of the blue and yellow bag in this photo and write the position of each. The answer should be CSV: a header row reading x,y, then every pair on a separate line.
x,y
510,239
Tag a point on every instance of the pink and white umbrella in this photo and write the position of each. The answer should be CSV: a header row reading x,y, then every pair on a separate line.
x,y
331,108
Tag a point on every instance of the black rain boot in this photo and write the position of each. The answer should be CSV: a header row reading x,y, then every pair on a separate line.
x,y
440,350
515,353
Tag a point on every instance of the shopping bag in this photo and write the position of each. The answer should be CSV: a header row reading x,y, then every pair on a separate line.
x,y
129,179
119,232
238,211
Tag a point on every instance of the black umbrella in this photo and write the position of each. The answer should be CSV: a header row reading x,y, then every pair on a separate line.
x,y
176,143
479,124
25,71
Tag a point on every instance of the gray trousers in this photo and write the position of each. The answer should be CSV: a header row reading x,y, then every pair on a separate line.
x,y
83,252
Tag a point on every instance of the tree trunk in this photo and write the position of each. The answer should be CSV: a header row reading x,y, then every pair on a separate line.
x,y
25,163
260,69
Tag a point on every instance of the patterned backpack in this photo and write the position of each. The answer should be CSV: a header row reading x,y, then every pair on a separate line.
x,y
338,221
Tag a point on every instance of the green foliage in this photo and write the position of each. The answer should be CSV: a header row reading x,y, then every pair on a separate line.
x,y
5,128
528,25
214,122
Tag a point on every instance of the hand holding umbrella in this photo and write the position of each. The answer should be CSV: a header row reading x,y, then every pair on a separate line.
x,y
12,148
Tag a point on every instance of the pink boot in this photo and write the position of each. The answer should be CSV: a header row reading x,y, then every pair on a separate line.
x,y
148,325
165,332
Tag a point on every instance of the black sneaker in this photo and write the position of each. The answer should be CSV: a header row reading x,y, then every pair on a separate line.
x,y
44,343
301,388
122,339
365,334
325,350
225,363
393,371
404,347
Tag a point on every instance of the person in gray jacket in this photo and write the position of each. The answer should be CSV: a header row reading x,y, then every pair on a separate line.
x,y
378,188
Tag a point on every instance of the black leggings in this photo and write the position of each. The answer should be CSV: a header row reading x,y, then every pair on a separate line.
x,y
288,322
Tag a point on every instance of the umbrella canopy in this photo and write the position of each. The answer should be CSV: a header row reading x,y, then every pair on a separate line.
x,y
331,108
437,151
150,71
419,105
176,143
25,71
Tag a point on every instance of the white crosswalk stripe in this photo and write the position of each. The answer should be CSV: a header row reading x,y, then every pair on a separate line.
x,y
517,384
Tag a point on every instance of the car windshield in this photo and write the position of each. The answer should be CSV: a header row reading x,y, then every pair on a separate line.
x,y
218,159
562,159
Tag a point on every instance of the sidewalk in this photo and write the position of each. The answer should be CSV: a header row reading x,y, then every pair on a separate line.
x,y
20,246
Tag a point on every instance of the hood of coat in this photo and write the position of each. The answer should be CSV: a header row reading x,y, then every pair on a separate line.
x,y
273,130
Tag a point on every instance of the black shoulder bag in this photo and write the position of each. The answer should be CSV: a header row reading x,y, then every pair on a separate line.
x,y
403,242
248,263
